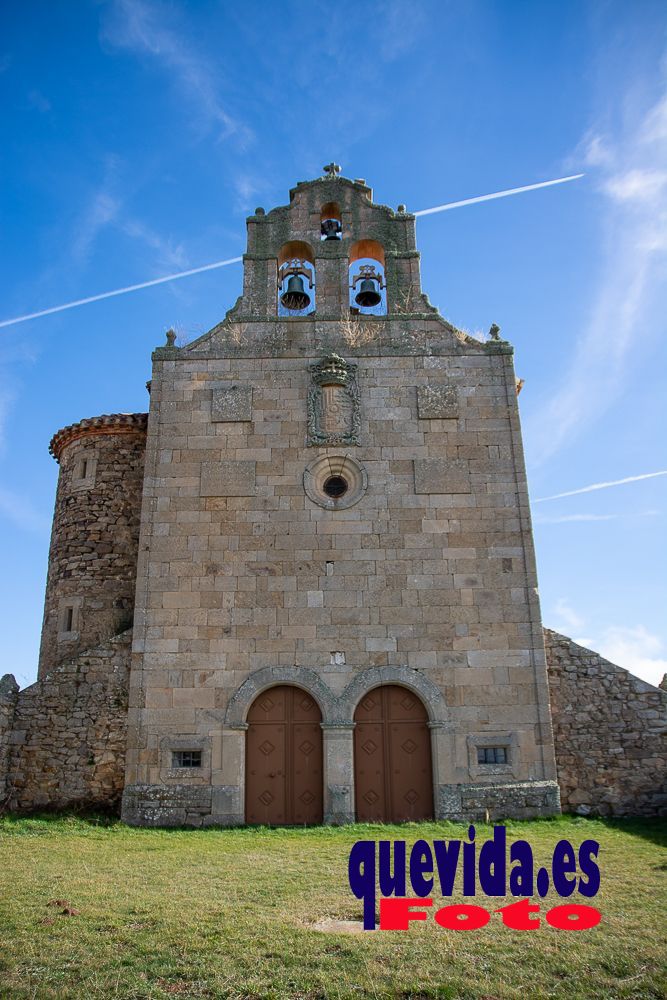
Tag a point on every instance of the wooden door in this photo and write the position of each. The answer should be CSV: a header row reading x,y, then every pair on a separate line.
x,y
284,759
392,757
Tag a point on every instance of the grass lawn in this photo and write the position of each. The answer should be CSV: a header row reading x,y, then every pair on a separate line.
x,y
228,913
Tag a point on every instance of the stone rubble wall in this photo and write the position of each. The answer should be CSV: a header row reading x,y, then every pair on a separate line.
x,y
610,734
9,693
66,741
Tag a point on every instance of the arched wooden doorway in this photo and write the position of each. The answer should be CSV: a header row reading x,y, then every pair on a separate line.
x,y
392,757
284,758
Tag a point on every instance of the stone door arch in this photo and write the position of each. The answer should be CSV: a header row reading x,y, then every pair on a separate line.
x,y
284,758
393,773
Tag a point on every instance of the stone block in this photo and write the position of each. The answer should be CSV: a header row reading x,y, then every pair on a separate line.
x,y
228,478
194,698
441,475
437,402
231,403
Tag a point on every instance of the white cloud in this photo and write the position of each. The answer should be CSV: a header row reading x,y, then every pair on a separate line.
x,y
102,209
633,183
637,185
632,647
140,27
595,151
250,189
170,254
105,209
567,619
246,187
592,150
15,350
655,126
636,649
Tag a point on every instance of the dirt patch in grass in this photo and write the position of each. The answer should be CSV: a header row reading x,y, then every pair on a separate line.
x,y
330,926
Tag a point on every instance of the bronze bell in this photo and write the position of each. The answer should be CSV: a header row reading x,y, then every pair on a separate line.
x,y
368,294
331,229
295,295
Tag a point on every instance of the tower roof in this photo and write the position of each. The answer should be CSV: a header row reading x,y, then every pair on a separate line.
x,y
106,423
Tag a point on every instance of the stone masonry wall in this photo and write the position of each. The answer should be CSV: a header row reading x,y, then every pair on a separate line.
x,y
424,567
240,571
610,734
68,735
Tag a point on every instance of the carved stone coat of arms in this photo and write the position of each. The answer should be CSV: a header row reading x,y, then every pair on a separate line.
x,y
333,402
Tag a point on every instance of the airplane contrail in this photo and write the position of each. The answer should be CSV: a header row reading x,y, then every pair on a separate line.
x,y
235,260
497,194
602,486
120,291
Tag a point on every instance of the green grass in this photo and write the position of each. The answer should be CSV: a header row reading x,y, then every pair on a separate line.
x,y
226,913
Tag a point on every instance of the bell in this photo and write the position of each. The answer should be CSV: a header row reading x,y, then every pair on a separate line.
x,y
295,296
368,294
331,229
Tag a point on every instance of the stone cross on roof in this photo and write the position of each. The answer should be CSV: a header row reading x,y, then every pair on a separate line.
x,y
331,169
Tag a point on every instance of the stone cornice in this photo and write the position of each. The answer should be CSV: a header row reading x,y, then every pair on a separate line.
x,y
106,423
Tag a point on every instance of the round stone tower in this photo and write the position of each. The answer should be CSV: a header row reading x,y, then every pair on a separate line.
x,y
95,536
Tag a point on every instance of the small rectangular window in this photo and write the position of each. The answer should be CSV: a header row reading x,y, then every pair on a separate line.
x,y
83,472
186,758
491,755
81,469
69,619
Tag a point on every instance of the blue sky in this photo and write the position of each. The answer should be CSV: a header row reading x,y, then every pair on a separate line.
x,y
137,137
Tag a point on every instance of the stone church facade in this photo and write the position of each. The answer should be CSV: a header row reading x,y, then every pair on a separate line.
x,y
302,589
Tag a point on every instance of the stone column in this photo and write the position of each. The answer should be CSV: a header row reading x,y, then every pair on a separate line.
x,y
403,281
445,800
338,774
228,797
331,292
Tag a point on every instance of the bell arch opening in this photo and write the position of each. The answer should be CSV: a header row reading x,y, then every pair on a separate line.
x,y
366,278
393,770
296,279
331,224
284,762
